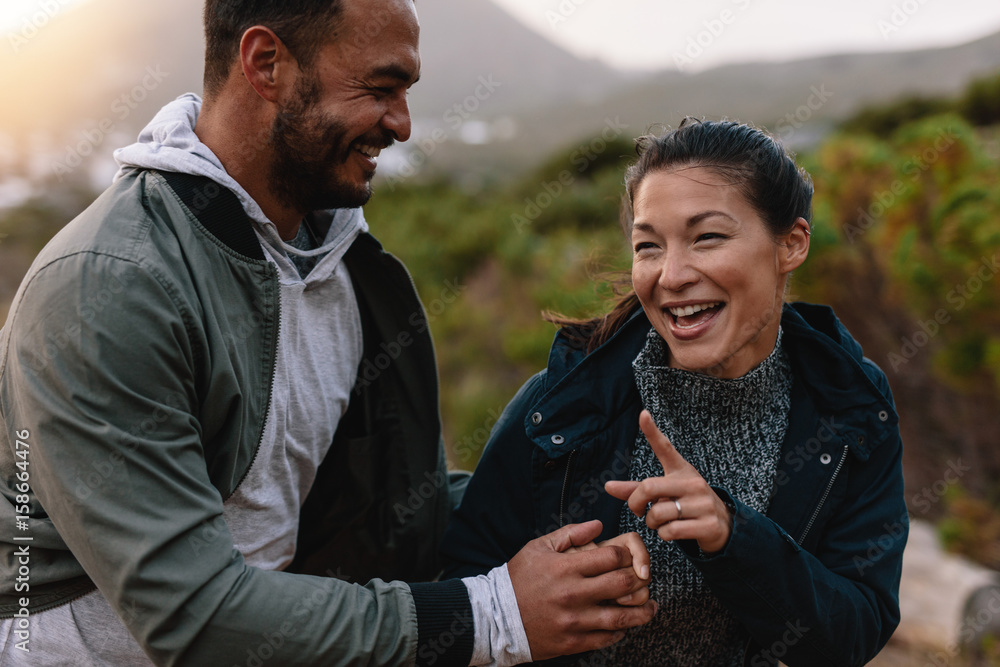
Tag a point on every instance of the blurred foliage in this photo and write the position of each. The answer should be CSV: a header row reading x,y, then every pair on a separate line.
x,y
916,216
971,527
979,105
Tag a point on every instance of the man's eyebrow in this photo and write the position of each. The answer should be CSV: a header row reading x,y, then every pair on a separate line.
x,y
397,72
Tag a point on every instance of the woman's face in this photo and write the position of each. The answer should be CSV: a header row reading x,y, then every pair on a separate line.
x,y
709,274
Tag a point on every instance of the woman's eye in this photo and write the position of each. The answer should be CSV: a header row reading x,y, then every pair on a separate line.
x,y
710,236
643,246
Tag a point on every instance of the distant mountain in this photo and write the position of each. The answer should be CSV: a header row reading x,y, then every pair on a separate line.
x,y
461,41
97,72
798,100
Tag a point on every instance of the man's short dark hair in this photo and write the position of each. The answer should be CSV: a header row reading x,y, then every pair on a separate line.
x,y
303,25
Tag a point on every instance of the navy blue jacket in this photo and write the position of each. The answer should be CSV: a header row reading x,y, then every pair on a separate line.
x,y
815,581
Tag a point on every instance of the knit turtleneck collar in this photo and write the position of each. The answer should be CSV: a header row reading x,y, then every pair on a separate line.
x,y
678,382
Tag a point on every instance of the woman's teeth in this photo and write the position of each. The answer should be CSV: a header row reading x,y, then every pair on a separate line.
x,y
685,311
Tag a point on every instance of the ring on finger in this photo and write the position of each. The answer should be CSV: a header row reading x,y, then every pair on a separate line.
x,y
680,512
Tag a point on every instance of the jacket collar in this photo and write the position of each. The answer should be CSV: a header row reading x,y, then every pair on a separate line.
x,y
585,394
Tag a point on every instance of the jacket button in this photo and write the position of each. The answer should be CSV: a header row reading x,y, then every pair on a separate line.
x,y
536,418
558,440
883,415
550,466
825,459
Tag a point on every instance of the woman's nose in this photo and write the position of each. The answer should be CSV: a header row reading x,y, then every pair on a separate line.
x,y
677,272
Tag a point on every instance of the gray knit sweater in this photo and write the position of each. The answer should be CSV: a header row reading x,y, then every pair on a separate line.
x,y
731,431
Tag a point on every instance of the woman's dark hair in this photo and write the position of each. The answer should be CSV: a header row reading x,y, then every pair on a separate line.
x,y
745,156
303,25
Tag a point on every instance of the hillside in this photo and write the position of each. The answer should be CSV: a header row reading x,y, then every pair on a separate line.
x,y
798,100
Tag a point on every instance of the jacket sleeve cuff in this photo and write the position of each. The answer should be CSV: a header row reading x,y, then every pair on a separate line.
x,y
445,630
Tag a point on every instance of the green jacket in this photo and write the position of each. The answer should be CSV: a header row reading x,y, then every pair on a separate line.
x,y
136,368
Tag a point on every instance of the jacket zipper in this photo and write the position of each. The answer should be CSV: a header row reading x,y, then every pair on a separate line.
x,y
829,487
565,490
270,386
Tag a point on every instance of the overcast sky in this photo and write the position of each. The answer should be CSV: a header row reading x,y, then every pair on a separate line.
x,y
653,34
23,15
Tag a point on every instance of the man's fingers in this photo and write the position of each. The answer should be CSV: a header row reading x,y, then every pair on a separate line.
x,y
583,547
620,489
603,626
634,599
608,586
668,456
574,535
615,618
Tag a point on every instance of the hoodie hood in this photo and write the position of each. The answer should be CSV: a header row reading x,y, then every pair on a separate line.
x,y
169,143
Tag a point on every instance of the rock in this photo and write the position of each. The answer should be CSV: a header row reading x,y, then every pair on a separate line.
x,y
981,626
936,589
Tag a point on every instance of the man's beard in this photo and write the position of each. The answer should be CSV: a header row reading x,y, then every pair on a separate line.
x,y
308,149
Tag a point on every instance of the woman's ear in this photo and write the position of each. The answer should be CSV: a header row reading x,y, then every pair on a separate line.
x,y
794,247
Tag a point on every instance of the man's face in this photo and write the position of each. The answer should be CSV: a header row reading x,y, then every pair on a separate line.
x,y
347,107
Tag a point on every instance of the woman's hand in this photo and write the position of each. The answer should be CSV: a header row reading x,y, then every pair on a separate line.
x,y
684,506
640,563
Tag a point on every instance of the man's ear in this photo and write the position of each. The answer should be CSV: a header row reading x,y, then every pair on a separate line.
x,y
266,62
794,247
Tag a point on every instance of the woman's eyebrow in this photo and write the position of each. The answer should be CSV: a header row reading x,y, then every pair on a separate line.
x,y
691,222
704,215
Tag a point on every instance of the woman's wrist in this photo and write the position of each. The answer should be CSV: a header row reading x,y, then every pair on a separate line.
x,y
729,512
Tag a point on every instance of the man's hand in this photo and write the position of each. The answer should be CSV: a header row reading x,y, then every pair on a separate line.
x,y
567,599
684,506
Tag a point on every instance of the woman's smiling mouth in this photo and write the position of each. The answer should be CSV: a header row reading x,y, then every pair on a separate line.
x,y
694,315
